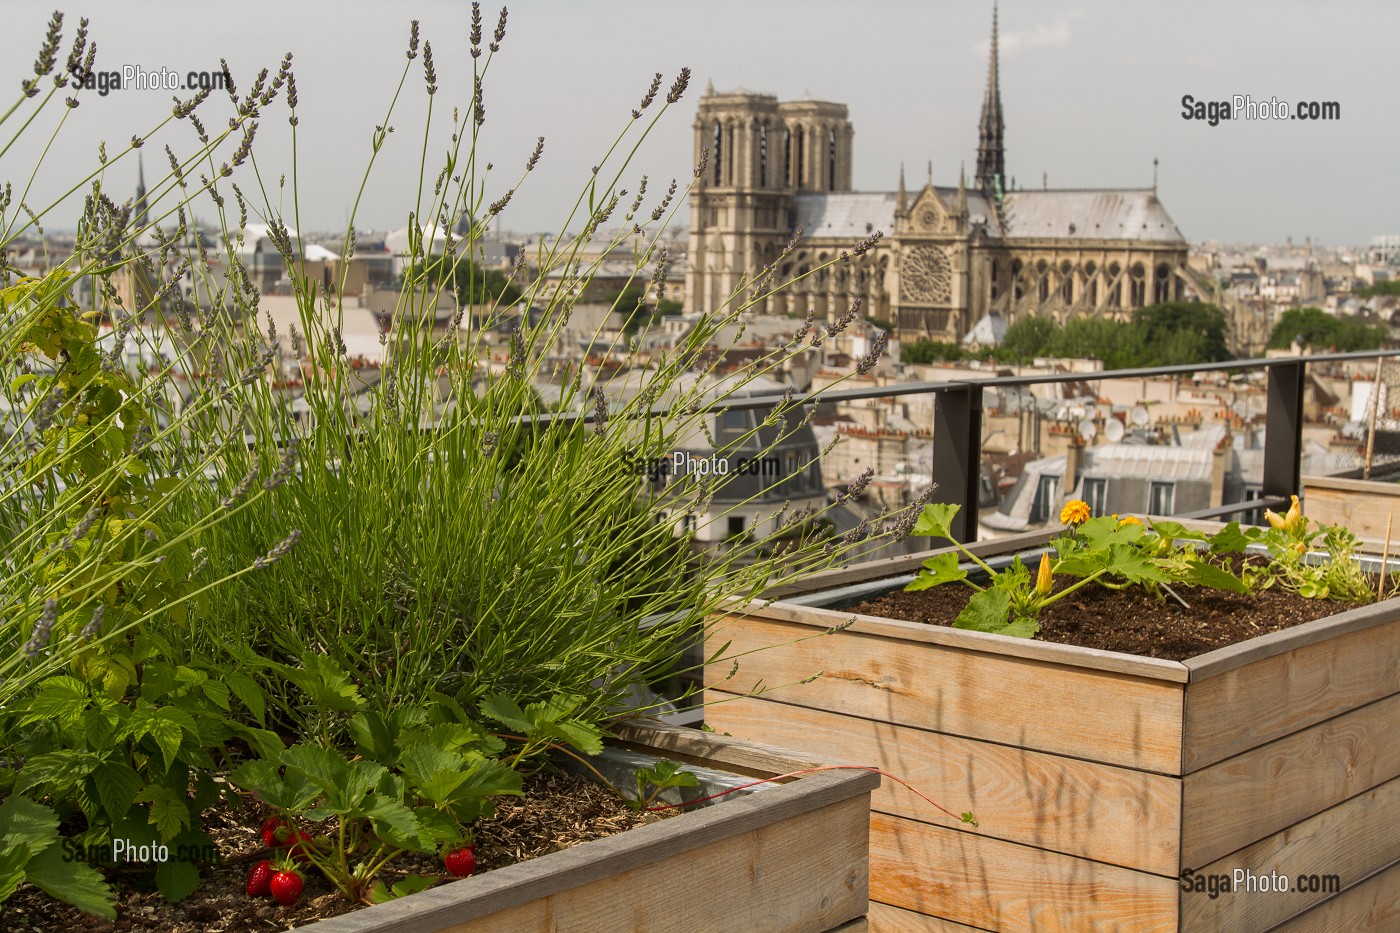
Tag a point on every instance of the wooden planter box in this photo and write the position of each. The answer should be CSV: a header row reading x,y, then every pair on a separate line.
x,y
1098,778
792,857
1364,506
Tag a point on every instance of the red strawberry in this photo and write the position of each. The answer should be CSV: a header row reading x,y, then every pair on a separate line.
x,y
287,887
461,862
299,844
275,831
260,879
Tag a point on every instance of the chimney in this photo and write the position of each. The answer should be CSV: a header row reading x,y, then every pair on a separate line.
x,y
1074,462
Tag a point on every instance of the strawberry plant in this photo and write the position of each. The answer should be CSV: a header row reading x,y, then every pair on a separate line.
x,y
413,785
653,780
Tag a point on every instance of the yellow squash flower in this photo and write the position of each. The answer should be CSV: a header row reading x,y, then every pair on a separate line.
x,y
1129,520
1290,522
1042,578
1075,512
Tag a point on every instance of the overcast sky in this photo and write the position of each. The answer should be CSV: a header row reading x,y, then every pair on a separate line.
x,y
1091,91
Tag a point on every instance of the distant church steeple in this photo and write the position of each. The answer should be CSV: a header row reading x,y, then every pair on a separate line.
x,y
991,150
139,209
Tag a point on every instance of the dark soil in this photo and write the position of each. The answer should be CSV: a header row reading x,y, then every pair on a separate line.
x,y
556,812
1130,621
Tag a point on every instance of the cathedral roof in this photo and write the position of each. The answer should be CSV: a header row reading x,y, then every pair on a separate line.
x,y
847,214
1090,214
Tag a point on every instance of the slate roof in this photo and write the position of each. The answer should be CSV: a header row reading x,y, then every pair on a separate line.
x,y
845,214
1076,214
1094,214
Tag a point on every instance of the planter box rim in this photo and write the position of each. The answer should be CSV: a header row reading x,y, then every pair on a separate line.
x,y
1191,670
440,907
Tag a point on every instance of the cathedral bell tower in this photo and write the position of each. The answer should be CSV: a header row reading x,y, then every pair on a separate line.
x,y
758,153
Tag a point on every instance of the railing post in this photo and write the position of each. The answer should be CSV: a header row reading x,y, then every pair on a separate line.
x,y
957,454
1283,438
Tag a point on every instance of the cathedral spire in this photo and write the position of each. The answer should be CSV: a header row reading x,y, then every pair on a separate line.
x,y
991,152
139,210
962,189
902,205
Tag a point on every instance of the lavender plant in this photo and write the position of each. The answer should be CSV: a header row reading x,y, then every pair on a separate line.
x,y
462,536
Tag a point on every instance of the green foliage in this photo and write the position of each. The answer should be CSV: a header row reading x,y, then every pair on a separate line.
x,y
655,779
1290,540
925,351
416,781
1158,335
1182,332
471,284
30,851
1112,553
134,763
1318,330
1386,287
1028,336
638,314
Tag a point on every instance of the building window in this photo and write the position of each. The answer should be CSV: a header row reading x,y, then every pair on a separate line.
x,y
787,157
1161,498
717,151
831,161
798,157
1047,493
763,156
1096,495
736,525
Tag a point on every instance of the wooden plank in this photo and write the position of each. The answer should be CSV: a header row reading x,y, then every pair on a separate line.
x,y
815,617
855,926
1243,799
1216,662
1373,906
766,849
1107,813
1245,706
725,753
1000,885
1118,719
885,918
779,879
1361,505
1352,840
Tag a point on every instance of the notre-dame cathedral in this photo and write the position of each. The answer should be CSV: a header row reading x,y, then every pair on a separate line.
x,y
949,255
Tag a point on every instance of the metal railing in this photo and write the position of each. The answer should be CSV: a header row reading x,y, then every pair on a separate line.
x,y
957,424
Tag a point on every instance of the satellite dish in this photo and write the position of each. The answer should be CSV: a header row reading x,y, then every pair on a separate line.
x,y
1088,430
1113,430
1139,415
1090,410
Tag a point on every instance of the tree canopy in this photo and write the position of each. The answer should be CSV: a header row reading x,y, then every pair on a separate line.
x,y
472,284
1318,330
1158,335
